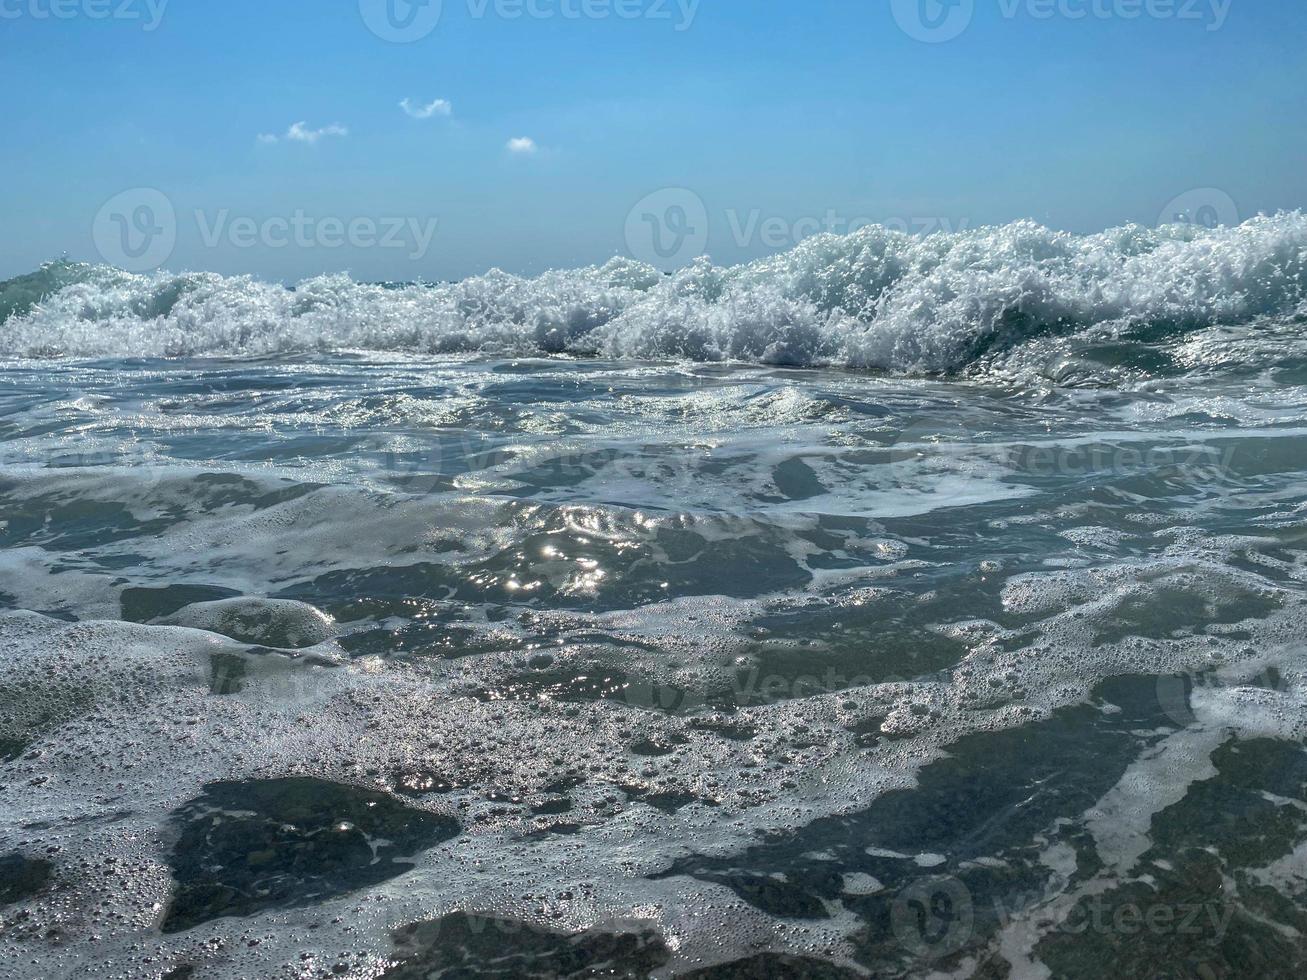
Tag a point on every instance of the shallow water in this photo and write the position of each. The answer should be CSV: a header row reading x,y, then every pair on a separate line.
x,y
395,663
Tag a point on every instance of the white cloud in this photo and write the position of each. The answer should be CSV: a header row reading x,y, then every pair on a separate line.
x,y
522,145
300,133
303,134
440,107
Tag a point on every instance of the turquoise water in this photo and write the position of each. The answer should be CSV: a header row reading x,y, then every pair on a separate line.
x,y
388,631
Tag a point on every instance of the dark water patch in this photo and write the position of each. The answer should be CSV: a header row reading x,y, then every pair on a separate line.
x,y
566,784
950,858
658,745
245,383
1168,611
596,575
21,878
551,389
227,673
553,807
796,480
788,671
427,639
432,627
245,847
211,492
780,673
773,966
868,731
71,521
375,588
116,563
1255,459
746,565
1291,373
566,472
877,639
11,749
32,708
563,829
1131,355
475,946
141,605
63,521
662,798
10,431
723,726
1203,911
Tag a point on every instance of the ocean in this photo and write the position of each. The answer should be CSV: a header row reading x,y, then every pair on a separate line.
x,y
893,606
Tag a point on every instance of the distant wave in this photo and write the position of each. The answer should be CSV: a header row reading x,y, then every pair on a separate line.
x,y
873,299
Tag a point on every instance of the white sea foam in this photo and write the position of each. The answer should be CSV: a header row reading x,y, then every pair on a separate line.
x,y
873,299
539,572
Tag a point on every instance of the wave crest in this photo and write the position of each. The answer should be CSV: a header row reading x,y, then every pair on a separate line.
x,y
873,299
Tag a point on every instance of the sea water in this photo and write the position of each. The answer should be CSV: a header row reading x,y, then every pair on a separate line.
x,y
893,606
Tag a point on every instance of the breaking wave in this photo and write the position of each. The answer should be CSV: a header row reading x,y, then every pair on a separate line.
x,y
875,299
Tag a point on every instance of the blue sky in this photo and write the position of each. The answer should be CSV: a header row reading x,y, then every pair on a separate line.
x,y
768,111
